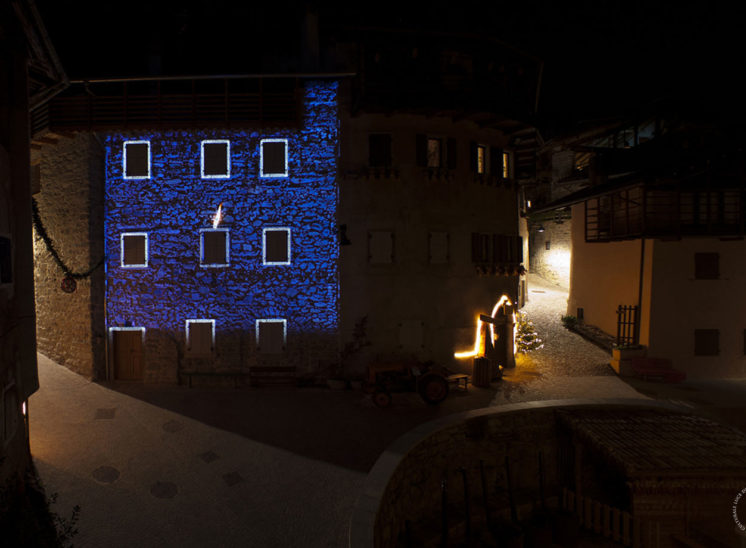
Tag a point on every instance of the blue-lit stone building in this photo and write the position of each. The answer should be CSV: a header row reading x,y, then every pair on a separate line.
x,y
220,239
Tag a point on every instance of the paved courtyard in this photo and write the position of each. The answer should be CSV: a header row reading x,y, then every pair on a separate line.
x,y
154,465
568,366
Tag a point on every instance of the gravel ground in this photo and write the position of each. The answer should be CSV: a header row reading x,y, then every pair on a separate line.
x,y
568,366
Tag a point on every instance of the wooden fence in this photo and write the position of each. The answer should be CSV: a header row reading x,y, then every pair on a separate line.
x,y
611,522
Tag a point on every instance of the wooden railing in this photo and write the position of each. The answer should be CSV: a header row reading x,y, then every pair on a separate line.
x,y
87,108
612,523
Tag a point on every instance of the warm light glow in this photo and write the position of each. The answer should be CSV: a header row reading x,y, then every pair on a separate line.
x,y
528,203
218,216
23,408
478,342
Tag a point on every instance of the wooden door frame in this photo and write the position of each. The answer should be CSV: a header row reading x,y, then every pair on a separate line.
x,y
110,358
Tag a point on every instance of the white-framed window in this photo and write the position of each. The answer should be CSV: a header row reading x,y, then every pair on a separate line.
x,y
214,247
215,159
200,337
136,160
273,158
271,335
276,246
133,250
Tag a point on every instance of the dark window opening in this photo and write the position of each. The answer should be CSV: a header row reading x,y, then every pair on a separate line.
x,y
379,150
137,160
706,266
6,263
547,245
214,247
271,337
274,161
134,250
215,162
706,342
276,244
200,338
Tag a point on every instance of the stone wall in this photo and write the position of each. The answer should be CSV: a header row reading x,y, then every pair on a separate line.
x,y
415,307
551,250
174,203
70,326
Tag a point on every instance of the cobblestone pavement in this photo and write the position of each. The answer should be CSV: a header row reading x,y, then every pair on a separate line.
x,y
567,366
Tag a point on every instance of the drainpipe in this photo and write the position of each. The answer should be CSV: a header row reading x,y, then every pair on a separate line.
x,y
639,290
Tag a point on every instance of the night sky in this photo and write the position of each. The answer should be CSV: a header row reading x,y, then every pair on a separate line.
x,y
601,58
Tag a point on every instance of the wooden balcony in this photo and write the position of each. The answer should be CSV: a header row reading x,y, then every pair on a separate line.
x,y
173,103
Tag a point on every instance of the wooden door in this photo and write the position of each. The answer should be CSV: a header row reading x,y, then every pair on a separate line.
x,y
128,355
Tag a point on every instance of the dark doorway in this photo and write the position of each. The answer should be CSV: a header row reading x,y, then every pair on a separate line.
x,y
127,354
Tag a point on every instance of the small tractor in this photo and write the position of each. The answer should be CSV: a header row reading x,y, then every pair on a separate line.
x,y
430,381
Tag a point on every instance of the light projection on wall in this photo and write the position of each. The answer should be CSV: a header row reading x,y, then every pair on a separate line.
x,y
133,250
218,216
478,338
189,218
273,157
215,159
136,159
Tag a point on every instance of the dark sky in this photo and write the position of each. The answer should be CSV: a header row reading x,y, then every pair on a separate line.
x,y
599,55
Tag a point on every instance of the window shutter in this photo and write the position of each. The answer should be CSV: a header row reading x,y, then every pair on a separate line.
x,y
476,252
473,156
496,161
520,249
421,150
451,152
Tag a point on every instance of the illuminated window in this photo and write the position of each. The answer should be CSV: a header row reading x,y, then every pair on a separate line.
x,y
6,265
276,246
200,337
216,159
271,335
273,158
481,159
506,165
706,342
706,266
379,150
214,247
438,247
136,160
380,247
134,250
434,152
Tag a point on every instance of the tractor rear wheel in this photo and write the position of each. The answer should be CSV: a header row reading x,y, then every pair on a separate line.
x,y
433,388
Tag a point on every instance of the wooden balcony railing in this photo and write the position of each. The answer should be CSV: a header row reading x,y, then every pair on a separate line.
x,y
119,106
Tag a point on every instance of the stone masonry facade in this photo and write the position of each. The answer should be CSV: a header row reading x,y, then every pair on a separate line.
x,y
175,203
70,326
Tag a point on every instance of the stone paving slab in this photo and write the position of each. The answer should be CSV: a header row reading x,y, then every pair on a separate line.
x,y
145,476
567,366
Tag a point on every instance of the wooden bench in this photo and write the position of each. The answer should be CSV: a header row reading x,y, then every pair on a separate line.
x,y
460,380
272,375
235,374
656,368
